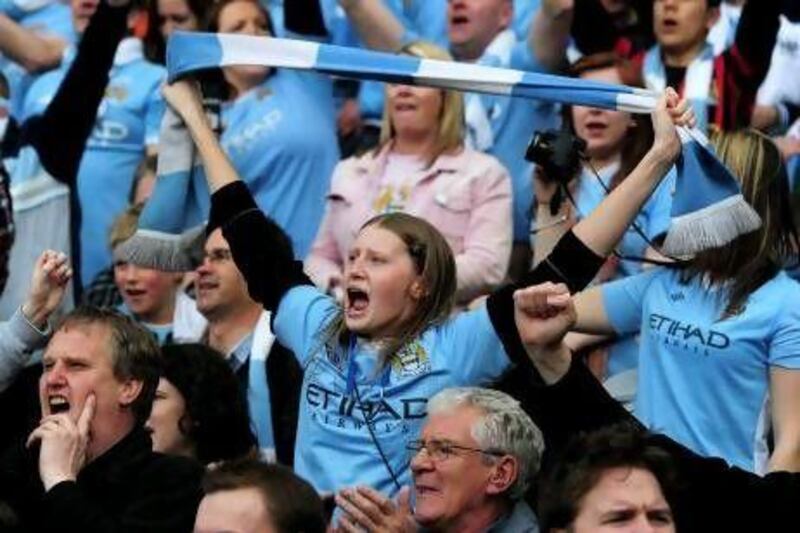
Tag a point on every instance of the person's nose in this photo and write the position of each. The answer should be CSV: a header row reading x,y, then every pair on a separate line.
x,y
421,461
54,376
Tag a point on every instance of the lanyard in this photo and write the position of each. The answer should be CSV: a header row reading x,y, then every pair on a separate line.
x,y
352,368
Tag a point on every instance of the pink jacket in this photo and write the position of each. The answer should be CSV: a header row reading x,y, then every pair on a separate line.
x,y
467,197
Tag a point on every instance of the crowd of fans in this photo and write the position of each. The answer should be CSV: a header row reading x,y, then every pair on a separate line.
x,y
396,322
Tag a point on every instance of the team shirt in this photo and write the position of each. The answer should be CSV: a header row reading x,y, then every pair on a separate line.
x,y
653,219
281,137
128,120
341,384
704,380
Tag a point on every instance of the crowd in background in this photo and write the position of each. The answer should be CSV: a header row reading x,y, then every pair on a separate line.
x,y
394,320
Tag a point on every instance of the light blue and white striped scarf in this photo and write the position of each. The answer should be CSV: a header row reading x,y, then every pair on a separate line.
x,y
181,199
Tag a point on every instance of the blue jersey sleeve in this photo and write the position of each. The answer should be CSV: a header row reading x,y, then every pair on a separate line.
x,y
302,315
784,348
473,351
623,300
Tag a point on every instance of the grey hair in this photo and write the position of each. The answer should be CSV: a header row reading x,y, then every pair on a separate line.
x,y
504,427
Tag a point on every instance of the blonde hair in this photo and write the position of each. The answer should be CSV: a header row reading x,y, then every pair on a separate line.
x,y
124,225
752,259
451,119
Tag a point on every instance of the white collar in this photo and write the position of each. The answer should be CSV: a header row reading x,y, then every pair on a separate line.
x,y
499,50
130,49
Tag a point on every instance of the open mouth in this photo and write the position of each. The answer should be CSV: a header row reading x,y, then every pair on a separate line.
x,y
596,127
58,404
669,23
207,285
459,20
357,302
135,293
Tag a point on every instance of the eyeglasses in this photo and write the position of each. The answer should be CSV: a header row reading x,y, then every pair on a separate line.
x,y
441,450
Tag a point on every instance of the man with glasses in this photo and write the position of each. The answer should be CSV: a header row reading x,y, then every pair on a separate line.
x,y
238,327
475,458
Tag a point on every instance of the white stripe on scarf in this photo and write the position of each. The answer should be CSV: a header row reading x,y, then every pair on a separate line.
x,y
478,118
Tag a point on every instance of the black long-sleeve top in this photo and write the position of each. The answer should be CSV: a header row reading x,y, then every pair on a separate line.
x,y
263,253
714,495
60,133
129,488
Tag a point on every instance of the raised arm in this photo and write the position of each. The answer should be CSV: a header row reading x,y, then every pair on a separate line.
x,y
573,401
59,135
375,23
549,33
606,225
27,329
261,249
30,50
579,254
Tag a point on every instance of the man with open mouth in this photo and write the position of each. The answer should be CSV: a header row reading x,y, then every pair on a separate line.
x,y
89,465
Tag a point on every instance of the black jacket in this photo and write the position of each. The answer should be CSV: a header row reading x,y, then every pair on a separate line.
x,y
129,488
714,496
284,380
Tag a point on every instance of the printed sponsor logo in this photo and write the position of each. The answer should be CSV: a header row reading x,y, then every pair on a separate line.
x,y
687,336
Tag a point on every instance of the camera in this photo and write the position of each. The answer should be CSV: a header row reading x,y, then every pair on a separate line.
x,y
558,153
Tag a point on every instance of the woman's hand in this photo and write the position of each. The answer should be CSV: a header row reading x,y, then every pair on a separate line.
x,y
183,96
671,111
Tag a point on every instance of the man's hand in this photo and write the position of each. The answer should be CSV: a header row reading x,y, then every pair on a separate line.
x,y
543,314
365,509
51,273
63,445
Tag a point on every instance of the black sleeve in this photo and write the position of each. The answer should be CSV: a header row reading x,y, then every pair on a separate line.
x,y
59,135
571,262
756,36
304,17
261,249
712,493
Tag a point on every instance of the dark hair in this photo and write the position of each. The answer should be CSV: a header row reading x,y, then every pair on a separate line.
x,y
293,504
216,418
134,351
154,45
584,461
211,23
640,136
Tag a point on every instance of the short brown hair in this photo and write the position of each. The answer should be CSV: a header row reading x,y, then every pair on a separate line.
x,y
134,351
584,461
293,504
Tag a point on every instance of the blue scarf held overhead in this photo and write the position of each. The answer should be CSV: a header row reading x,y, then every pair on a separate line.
x,y
708,208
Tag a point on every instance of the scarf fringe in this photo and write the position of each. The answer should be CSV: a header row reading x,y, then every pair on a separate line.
x,y
711,227
164,251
